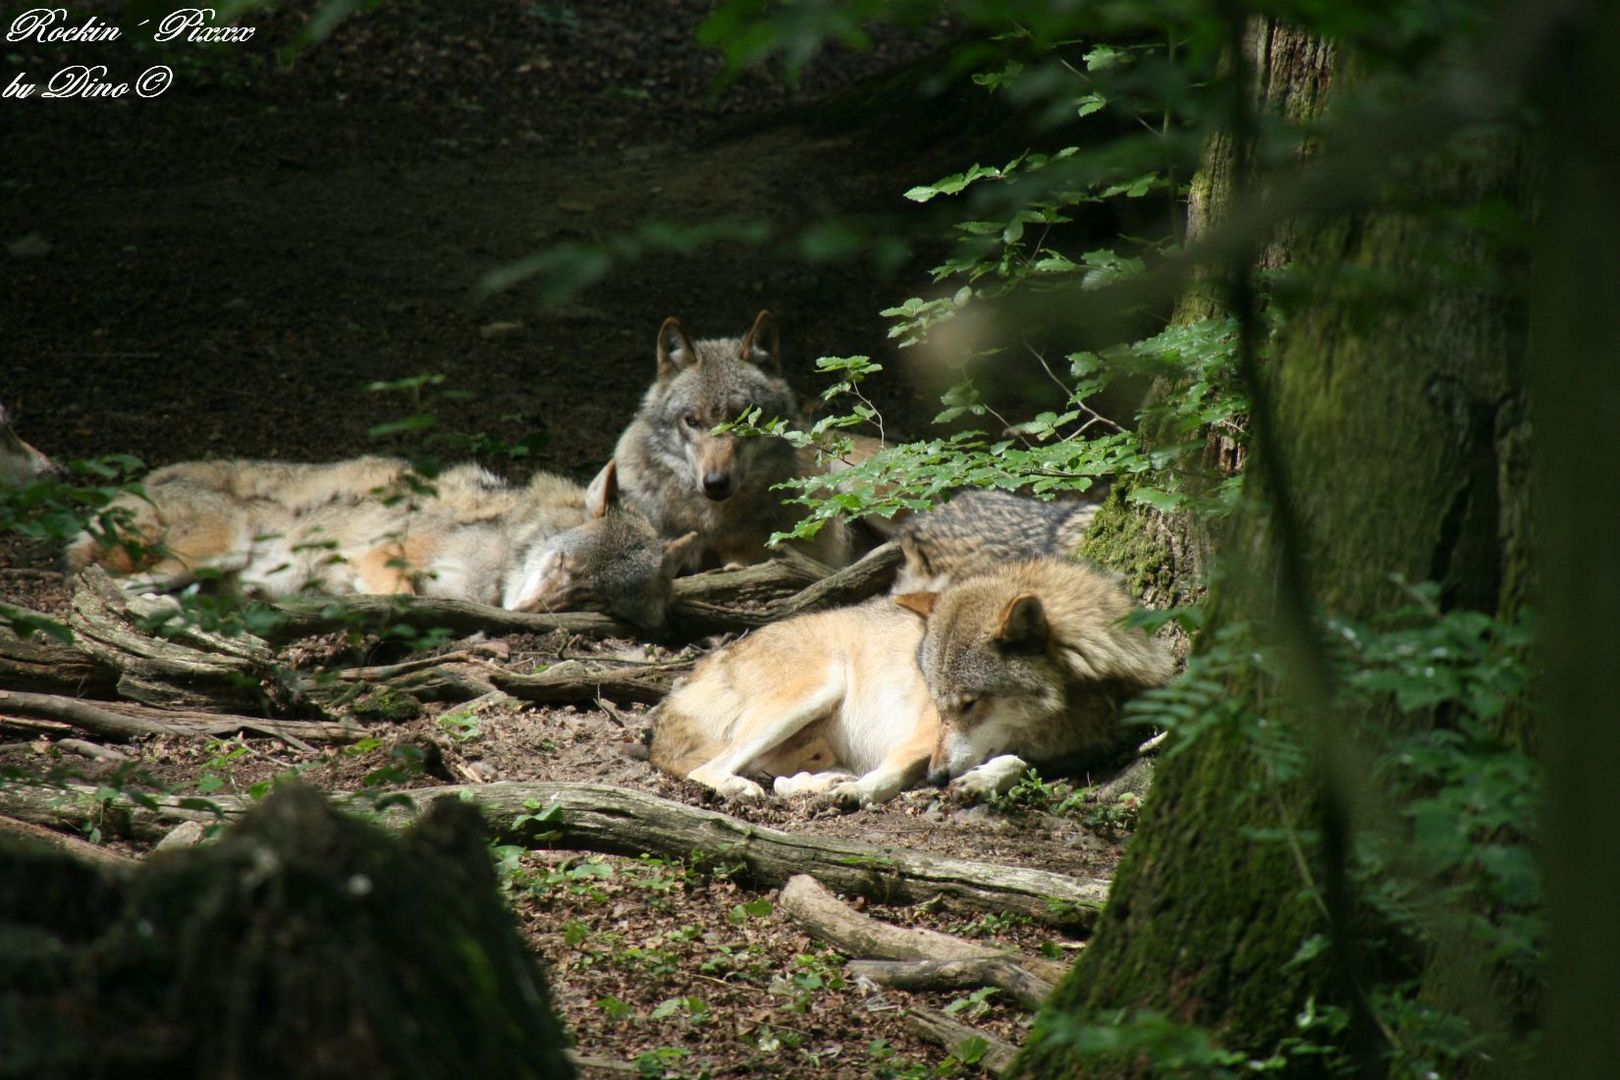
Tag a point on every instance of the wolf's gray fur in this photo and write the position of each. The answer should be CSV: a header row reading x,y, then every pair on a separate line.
x,y
685,478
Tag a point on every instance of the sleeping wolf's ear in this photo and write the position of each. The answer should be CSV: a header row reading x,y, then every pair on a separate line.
x,y
1023,624
920,602
762,344
675,553
603,492
675,350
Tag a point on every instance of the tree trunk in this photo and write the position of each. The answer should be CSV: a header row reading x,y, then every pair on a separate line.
x,y
1402,424
1577,405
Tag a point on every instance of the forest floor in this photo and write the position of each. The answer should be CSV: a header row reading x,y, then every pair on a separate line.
x,y
222,271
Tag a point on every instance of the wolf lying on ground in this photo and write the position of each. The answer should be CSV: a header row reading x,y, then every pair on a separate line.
x,y
1026,664
979,531
370,525
685,478
20,464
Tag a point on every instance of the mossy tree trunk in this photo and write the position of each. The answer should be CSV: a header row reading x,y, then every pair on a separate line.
x,y
1396,392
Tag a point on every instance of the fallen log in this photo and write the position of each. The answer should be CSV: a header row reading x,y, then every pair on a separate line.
x,y
576,682
122,720
82,715
596,817
72,845
303,618
966,1044
916,959
859,581
183,667
695,614
43,665
760,583
1002,972
812,905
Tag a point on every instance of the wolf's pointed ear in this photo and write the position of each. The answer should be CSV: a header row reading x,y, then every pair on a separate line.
x,y
675,349
762,343
1023,623
675,553
920,602
603,493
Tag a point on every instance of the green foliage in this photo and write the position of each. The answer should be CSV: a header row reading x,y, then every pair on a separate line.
x,y
55,510
1453,866
752,909
1055,451
462,727
995,922
973,1005
1168,1048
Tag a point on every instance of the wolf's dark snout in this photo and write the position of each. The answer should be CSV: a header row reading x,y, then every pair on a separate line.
x,y
939,777
717,485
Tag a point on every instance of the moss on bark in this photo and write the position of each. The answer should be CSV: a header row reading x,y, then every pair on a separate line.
x,y
1396,391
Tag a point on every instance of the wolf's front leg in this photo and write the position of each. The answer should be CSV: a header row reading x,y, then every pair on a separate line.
x,y
808,783
904,767
995,777
727,785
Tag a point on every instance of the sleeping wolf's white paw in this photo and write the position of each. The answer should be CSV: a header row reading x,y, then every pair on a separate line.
x,y
727,785
995,777
866,791
806,783
740,788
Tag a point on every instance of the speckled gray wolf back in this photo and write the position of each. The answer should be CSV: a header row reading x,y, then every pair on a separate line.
x,y
685,478
20,464
980,531
1027,664
370,525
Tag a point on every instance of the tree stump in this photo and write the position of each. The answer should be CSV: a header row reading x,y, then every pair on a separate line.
x,y
303,943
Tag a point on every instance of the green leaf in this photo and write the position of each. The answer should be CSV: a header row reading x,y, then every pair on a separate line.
x,y
1165,502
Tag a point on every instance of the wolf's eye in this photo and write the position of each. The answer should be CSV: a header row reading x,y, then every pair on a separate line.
x,y
691,420
966,704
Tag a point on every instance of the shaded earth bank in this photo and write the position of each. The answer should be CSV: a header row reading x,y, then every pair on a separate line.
x,y
223,270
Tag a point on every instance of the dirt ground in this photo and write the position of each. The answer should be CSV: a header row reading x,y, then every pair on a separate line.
x,y
223,270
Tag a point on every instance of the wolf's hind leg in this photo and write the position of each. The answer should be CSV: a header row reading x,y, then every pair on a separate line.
x,y
775,713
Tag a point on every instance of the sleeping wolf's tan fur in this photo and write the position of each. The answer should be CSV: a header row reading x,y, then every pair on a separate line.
x,y
1026,663
369,525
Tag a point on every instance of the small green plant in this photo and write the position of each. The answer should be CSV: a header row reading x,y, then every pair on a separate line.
x,y
694,1009
974,1005
995,922
752,909
216,772
406,762
614,1009
810,975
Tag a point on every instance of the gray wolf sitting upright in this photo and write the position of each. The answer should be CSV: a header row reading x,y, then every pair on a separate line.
x,y
683,477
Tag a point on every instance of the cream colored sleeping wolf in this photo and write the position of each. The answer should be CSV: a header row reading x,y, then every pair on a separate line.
x,y
1027,664
370,525
685,478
